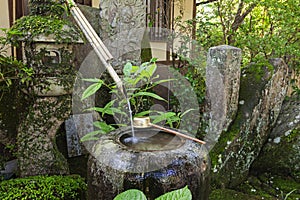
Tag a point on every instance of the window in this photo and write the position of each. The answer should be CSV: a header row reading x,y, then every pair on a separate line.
x,y
158,18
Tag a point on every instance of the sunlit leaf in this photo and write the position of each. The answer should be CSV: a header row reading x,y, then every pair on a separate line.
x,y
181,194
92,89
151,69
132,194
127,69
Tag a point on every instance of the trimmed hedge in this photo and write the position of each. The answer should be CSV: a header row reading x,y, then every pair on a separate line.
x,y
43,187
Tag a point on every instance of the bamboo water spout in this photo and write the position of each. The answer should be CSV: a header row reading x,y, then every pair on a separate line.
x,y
97,44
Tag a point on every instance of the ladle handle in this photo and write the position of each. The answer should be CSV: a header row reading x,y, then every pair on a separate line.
x,y
177,133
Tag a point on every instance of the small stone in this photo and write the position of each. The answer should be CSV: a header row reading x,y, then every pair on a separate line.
x,y
287,133
277,140
291,124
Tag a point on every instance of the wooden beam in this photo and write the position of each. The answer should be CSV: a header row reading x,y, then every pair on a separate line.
x,y
25,7
19,13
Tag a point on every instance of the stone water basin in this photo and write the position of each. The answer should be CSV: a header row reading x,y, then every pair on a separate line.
x,y
154,162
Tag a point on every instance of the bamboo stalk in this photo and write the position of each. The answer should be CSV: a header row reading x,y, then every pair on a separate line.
x,y
92,34
97,44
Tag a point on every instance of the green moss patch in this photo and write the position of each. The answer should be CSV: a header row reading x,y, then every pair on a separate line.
x,y
271,186
227,194
43,187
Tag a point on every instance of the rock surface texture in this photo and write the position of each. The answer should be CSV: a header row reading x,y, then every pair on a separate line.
x,y
262,91
281,154
122,27
222,87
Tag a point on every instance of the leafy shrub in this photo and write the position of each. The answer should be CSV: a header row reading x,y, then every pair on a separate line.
x,y
43,187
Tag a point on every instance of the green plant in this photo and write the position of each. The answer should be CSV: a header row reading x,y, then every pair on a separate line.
x,y
296,89
11,70
138,82
46,18
180,194
47,7
29,27
43,187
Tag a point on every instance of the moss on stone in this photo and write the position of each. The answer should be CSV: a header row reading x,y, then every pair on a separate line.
x,y
280,158
241,143
271,186
227,194
265,186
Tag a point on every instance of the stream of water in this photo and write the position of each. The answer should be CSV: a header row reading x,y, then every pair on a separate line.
x,y
134,140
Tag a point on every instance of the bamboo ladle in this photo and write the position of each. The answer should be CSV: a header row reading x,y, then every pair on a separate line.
x,y
144,122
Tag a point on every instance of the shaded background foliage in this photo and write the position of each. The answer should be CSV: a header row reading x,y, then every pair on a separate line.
x,y
262,29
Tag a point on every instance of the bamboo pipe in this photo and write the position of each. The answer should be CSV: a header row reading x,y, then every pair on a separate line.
x,y
144,122
100,49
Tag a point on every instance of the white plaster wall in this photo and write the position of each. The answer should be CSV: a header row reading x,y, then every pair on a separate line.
x,y
95,3
4,19
157,47
159,50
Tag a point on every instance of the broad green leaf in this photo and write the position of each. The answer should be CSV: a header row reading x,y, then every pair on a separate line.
x,y
181,194
155,96
134,69
132,194
127,69
151,69
92,89
153,60
145,74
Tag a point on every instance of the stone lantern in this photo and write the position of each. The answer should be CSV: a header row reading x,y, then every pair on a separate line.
x,y
51,59
52,63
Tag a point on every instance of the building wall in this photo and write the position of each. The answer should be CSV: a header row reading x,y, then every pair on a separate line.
x,y
95,3
159,49
4,19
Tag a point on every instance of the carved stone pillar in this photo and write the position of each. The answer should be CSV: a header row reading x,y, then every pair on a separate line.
x,y
122,26
222,86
